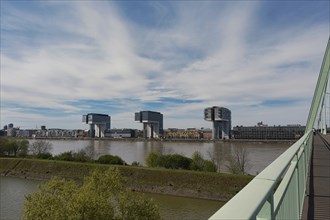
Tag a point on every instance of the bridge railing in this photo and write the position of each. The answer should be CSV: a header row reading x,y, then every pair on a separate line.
x,y
278,191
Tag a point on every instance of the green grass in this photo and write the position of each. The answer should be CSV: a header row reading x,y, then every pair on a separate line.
x,y
207,185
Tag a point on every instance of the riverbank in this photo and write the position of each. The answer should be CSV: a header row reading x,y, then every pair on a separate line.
x,y
202,185
291,141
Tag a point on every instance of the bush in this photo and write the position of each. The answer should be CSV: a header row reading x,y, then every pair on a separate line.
x,y
44,156
209,166
180,162
169,161
136,164
163,161
66,156
81,156
100,196
110,159
177,161
152,159
198,163
174,161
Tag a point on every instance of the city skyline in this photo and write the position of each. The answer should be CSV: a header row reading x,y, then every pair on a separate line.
x,y
63,59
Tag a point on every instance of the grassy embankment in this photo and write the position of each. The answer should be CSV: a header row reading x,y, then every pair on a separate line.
x,y
206,185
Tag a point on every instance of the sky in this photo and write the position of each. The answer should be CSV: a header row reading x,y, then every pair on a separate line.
x,y
63,59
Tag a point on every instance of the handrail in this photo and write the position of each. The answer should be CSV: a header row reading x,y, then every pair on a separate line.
x,y
263,198
320,90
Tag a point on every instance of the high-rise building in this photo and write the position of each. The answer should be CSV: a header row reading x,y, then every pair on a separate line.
x,y
221,118
152,123
98,123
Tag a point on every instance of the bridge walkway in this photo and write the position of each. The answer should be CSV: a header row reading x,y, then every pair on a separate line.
x,y
317,199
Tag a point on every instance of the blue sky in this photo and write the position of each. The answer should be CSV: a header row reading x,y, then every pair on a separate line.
x,y
63,59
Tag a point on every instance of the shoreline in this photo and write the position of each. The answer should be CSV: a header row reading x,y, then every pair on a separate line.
x,y
191,184
166,140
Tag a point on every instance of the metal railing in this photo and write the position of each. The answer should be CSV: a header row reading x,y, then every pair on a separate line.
x,y
278,191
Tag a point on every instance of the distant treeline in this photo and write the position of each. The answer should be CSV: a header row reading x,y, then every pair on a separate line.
x,y
40,149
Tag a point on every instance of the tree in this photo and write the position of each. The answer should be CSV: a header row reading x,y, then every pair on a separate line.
x,y
52,201
101,196
238,162
3,146
135,206
40,147
13,147
215,159
89,151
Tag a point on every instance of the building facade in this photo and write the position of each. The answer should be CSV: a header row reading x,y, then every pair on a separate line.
x,y
221,118
173,133
98,123
289,132
120,133
152,123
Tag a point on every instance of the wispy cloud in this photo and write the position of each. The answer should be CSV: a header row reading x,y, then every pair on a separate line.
x,y
175,57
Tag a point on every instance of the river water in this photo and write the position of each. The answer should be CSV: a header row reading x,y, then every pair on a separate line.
x,y
13,191
259,154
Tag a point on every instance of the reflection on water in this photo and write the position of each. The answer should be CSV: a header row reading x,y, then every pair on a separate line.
x,y
260,154
13,191
12,195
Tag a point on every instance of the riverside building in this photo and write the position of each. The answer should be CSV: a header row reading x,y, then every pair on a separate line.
x,y
98,123
265,132
174,133
221,118
120,133
152,123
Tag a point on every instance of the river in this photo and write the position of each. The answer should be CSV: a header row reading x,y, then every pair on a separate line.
x,y
13,191
259,154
